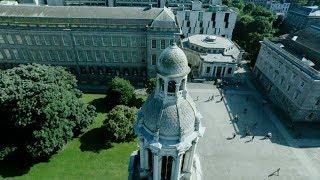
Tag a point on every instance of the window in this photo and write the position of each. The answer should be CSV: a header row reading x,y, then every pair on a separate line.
x,y
208,70
201,31
19,39
187,16
37,39
47,41
55,40
2,40
116,41
153,59
116,56
7,53
213,18
226,25
171,41
161,84
229,70
125,56
15,54
188,23
28,39
200,16
10,40
201,24
124,41
171,86
163,44
105,41
87,41
153,44
65,41
182,84
1,55
226,17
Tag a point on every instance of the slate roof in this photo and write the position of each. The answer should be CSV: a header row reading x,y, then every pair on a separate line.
x,y
155,17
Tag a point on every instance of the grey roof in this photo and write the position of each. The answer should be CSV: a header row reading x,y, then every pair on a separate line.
x,y
89,14
173,61
218,43
308,37
220,58
172,119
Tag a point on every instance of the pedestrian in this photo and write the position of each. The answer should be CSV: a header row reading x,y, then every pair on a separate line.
x,y
245,110
268,136
197,98
277,172
233,135
252,138
221,98
236,118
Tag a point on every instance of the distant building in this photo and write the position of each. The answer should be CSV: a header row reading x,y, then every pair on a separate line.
x,y
299,17
95,43
275,6
212,56
216,20
288,70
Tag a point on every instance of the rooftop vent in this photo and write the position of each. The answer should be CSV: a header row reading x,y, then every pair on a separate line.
x,y
210,38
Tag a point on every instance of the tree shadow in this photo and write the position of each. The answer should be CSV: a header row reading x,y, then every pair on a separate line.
x,y
100,105
95,140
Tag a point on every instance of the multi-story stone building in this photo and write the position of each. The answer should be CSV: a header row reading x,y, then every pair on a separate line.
x,y
299,17
95,43
288,70
140,3
216,20
212,56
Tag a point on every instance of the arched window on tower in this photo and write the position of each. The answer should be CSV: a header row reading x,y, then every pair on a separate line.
x,y
229,70
171,87
182,85
161,84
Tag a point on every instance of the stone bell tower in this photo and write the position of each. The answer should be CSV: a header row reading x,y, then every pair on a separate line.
x,y
168,124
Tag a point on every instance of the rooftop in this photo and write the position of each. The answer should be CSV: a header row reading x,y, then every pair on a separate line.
x,y
212,42
217,58
158,17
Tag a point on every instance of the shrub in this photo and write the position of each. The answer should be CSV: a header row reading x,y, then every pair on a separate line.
x,y
120,91
119,122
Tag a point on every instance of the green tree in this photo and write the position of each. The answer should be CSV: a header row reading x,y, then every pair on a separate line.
x,y
40,110
119,122
120,91
150,85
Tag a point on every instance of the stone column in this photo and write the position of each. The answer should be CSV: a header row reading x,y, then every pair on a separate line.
x,y
156,167
175,174
142,156
186,160
165,91
177,88
213,71
192,152
146,159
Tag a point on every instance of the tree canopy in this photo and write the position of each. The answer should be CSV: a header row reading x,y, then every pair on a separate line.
x,y
40,110
254,23
119,122
120,91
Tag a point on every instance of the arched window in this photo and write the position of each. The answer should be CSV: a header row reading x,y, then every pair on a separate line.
x,y
161,84
182,84
167,162
172,86
229,70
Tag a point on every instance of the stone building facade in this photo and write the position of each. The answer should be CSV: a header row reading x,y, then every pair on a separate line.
x,y
300,17
169,125
216,20
212,56
95,43
288,70
134,3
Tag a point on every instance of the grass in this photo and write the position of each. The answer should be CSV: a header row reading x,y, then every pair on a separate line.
x,y
87,157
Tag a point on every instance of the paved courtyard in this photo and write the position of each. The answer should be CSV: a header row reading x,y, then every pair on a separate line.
x,y
240,158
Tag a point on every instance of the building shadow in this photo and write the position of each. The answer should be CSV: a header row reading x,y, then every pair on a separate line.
x,y
95,140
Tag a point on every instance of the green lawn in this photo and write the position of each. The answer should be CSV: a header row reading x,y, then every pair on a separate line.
x,y
87,157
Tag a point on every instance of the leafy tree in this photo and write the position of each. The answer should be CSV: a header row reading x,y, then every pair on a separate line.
x,y
120,91
119,122
150,85
40,110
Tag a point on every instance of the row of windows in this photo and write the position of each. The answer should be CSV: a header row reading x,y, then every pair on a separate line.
x,y
79,40
68,55
163,45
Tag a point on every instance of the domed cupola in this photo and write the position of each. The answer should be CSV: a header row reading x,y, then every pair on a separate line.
x,y
169,124
172,61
